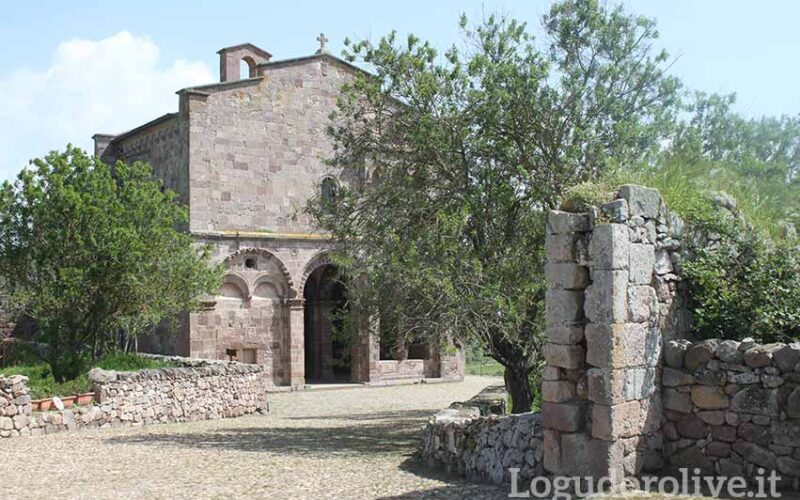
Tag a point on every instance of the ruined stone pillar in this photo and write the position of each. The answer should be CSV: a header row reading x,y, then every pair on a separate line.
x,y
296,367
602,410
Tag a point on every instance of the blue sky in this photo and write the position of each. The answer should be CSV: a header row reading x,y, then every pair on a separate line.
x,y
74,68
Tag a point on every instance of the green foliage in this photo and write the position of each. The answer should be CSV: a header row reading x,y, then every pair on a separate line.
x,y
470,149
129,362
746,286
93,252
42,383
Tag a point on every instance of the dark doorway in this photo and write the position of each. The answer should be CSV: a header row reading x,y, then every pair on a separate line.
x,y
327,342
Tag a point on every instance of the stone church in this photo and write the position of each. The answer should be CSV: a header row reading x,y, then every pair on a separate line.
x,y
245,155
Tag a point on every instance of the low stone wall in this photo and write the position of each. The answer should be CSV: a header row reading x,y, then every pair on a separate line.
x,y
206,390
463,442
731,407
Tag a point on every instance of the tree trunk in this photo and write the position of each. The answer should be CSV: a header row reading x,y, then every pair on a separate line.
x,y
519,387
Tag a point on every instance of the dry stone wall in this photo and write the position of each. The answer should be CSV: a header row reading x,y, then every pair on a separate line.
x,y
201,390
732,408
468,440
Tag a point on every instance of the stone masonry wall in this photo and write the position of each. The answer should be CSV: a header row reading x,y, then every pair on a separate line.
x,y
483,448
732,407
612,297
201,391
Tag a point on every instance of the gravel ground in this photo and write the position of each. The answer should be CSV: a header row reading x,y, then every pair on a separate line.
x,y
343,444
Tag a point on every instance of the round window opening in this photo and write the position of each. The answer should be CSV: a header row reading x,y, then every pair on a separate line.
x,y
250,263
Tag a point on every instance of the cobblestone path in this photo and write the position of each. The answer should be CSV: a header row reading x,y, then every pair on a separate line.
x,y
342,444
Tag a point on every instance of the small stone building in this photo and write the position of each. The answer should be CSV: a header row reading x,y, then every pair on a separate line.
x,y
245,155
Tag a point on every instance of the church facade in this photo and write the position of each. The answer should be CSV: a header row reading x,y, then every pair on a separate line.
x,y
245,155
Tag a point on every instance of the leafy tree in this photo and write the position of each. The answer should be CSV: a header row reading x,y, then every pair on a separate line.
x,y
466,153
715,132
89,251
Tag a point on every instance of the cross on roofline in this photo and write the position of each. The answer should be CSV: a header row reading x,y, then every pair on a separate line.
x,y
323,40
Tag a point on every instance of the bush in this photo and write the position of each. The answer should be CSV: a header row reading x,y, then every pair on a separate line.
x,y
747,286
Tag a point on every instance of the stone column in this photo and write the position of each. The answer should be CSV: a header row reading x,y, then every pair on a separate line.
x,y
564,410
296,342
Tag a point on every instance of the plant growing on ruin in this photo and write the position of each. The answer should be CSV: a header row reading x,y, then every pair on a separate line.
x,y
468,149
91,252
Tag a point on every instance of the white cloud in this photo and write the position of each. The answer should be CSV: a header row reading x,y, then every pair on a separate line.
x,y
107,86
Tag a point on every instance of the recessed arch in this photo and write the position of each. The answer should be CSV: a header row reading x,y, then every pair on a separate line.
x,y
239,258
234,287
322,258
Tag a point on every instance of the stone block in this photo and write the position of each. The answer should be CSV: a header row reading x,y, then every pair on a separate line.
x,y
606,298
560,247
609,247
757,454
617,421
642,201
552,451
616,211
674,352
787,357
565,334
761,355
563,307
584,456
559,222
566,275
786,432
642,304
670,377
606,386
699,354
565,417
564,356
709,398
558,391
621,345
642,263
728,352
677,401
756,400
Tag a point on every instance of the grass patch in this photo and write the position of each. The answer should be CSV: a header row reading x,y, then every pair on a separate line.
x,y
42,384
485,367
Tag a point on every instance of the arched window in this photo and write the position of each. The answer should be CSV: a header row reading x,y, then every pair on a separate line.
x,y
328,191
247,68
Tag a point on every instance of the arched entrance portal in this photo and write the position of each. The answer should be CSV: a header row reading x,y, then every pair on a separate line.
x,y
327,346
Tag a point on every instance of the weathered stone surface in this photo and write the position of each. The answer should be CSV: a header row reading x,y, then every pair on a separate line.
x,y
607,297
609,247
621,345
761,355
677,401
728,352
699,354
560,247
725,433
690,458
692,427
711,377
674,353
793,404
564,356
712,417
642,304
642,201
756,400
616,211
566,275
709,398
613,422
563,307
754,433
789,466
558,391
565,334
559,222
718,449
671,377
786,432
642,262
728,468
566,417
756,454
787,357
